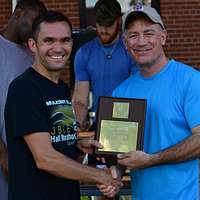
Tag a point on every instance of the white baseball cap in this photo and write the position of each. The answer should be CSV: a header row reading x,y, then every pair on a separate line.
x,y
150,12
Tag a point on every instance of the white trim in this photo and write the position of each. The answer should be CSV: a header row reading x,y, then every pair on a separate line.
x,y
14,3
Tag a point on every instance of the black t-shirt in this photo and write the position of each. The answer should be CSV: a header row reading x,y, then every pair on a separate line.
x,y
36,104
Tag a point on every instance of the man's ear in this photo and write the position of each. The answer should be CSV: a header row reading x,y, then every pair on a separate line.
x,y
163,37
18,13
32,45
125,41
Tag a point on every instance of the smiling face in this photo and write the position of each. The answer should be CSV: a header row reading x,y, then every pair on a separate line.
x,y
144,40
53,47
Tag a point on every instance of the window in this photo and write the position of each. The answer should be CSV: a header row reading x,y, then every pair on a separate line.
x,y
14,3
87,12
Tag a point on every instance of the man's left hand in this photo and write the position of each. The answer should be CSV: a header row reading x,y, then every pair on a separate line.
x,y
86,142
134,159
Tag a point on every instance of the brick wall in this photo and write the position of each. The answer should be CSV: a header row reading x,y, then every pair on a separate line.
x,y
182,19
5,11
67,7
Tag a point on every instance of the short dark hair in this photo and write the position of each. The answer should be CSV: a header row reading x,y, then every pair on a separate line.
x,y
107,11
36,5
49,17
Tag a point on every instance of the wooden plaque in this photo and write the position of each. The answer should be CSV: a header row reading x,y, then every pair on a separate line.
x,y
120,125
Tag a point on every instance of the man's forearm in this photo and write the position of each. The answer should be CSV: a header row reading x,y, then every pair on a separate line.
x,y
62,166
80,101
81,111
185,150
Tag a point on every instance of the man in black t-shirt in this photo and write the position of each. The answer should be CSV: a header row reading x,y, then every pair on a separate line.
x,y
40,124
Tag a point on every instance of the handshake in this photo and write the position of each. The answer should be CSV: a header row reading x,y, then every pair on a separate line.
x,y
112,182
108,180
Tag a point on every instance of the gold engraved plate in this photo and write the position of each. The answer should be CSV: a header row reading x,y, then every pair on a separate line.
x,y
120,110
118,136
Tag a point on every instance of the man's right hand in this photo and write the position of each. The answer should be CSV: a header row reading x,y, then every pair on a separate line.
x,y
3,158
111,190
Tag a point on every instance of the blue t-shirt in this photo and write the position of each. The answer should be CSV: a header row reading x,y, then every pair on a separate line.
x,y
173,109
104,74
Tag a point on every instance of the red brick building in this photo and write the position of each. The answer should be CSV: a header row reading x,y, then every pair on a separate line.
x,y
181,17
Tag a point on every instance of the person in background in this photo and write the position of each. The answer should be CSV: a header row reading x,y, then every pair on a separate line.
x,y
167,169
80,37
40,123
14,59
102,63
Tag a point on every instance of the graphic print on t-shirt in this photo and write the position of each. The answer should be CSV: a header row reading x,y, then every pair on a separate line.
x,y
63,121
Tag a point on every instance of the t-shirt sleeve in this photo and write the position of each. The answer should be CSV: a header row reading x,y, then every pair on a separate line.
x,y
80,65
24,111
192,101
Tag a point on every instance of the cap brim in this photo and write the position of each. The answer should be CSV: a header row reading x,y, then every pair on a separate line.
x,y
132,12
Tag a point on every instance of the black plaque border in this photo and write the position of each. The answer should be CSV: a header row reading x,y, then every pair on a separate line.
x,y
104,112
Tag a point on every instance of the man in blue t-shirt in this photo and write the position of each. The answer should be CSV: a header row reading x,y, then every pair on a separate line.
x,y
167,169
103,63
